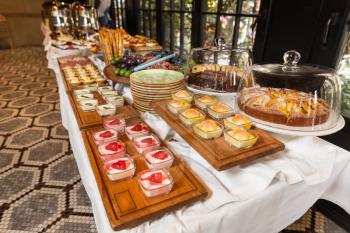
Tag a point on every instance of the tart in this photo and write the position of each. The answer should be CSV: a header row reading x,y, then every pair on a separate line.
x,y
160,158
240,138
88,105
177,105
104,136
138,129
106,109
114,123
182,95
117,101
120,168
155,182
191,116
208,129
147,142
238,120
219,111
116,148
204,101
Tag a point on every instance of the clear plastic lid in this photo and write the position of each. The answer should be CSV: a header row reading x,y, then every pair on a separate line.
x,y
291,96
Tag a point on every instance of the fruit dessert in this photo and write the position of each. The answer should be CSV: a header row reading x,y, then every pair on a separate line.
x,y
114,148
88,105
120,168
155,182
138,129
106,109
208,129
147,142
105,136
182,95
219,111
191,116
114,123
177,105
117,101
203,101
160,158
238,120
240,138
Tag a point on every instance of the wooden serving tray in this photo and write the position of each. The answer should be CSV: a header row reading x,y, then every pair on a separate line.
x,y
109,73
124,201
92,118
217,151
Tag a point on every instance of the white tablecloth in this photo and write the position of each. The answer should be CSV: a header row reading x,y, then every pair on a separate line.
x,y
278,204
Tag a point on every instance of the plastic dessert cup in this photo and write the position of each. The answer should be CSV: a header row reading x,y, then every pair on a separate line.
x,y
219,111
109,93
191,116
135,130
104,88
159,158
177,105
116,148
82,97
104,136
81,91
117,101
236,121
240,138
120,168
155,182
203,101
114,123
146,142
88,105
208,129
182,95
106,109
91,87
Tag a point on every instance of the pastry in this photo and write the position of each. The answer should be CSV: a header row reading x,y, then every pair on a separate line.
x,y
238,120
147,142
240,138
208,129
105,136
182,95
120,168
138,129
283,106
155,182
159,158
204,101
191,116
219,111
177,105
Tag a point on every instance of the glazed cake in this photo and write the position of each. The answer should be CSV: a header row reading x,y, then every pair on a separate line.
x,y
283,106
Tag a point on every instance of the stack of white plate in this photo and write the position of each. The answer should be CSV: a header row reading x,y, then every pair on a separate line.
x,y
150,85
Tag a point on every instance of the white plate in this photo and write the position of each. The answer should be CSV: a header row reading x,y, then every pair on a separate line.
x,y
319,130
213,93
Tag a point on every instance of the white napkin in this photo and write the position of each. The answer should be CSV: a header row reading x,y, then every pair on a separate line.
x,y
157,124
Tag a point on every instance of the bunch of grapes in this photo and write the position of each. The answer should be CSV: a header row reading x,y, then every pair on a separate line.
x,y
126,64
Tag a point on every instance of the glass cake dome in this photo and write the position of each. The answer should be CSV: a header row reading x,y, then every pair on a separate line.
x,y
289,98
217,69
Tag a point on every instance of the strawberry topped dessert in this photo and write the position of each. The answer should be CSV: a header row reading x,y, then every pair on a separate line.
x,y
138,129
105,136
160,158
116,148
120,168
148,142
114,123
155,182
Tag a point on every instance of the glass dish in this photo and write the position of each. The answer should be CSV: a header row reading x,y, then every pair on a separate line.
x,y
146,142
120,168
116,148
177,105
238,120
104,136
219,111
155,182
135,130
114,123
240,138
203,101
88,105
159,158
182,95
208,129
106,109
191,116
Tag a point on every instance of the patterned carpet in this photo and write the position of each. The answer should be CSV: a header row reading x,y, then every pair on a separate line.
x,y
40,186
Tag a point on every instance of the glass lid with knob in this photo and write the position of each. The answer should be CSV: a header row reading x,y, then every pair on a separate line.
x,y
290,96
217,69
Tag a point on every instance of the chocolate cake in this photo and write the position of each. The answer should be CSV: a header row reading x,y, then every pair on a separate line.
x,y
283,106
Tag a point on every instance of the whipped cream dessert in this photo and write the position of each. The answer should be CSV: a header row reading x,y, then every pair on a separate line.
x,y
81,91
155,182
88,105
114,123
138,129
106,109
148,142
160,158
112,148
105,136
104,88
120,168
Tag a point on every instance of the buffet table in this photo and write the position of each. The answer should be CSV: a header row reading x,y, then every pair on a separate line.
x,y
266,195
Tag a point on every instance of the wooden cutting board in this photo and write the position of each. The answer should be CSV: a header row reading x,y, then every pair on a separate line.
x,y
124,201
109,73
92,118
218,152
